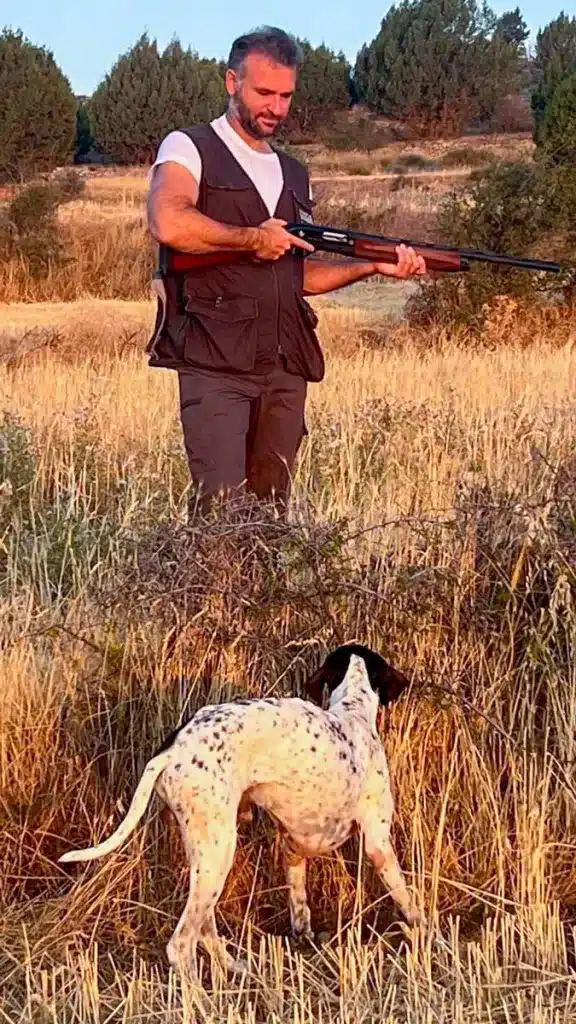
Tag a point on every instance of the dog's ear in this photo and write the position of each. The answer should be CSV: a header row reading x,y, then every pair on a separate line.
x,y
314,686
390,684
329,675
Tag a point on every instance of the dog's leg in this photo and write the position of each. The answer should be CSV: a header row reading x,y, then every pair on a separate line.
x,y
245,810
295,871
379,849
210,858
181,949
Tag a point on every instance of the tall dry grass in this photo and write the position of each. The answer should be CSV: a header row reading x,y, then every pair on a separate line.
x,y
433,517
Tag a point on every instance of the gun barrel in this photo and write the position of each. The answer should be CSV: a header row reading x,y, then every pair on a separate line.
x,y
342,241
521,262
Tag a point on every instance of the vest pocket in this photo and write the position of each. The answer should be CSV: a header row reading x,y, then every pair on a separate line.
x,y
221,332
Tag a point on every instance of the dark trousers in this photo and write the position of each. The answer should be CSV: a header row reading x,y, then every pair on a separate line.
x,y
242,431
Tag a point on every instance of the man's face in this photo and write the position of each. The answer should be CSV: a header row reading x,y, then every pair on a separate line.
x,y
261,95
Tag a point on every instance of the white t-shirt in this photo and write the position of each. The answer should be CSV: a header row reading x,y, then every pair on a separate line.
x,y
263,169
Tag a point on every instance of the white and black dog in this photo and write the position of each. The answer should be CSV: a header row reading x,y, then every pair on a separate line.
x,y
321,774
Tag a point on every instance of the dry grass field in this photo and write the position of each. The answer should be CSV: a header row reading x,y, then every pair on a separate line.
x,y
434,518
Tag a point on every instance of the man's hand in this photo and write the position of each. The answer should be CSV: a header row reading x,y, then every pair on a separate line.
x,y
273,240
409,265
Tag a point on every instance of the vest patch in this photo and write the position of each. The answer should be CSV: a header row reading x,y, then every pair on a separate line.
x,y
304,216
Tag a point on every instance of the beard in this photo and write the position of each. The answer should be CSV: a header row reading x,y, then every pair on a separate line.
x,y
249,123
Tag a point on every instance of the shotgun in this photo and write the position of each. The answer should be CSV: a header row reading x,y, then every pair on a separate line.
x,y
374,248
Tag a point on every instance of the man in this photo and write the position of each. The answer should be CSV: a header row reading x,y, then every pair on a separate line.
x,y
241,335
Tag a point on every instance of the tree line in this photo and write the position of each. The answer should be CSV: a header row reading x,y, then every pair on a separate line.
x,y
438,66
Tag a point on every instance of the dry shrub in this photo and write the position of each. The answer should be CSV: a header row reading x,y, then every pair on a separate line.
x,y
467,156
110,259
513,113
345,134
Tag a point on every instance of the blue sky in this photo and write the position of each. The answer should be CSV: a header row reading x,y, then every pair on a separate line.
x,y
86,38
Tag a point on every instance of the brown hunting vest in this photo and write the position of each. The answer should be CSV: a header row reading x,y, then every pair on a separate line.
x,y
237,318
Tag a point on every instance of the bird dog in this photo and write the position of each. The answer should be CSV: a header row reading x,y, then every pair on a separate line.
x,y
320,774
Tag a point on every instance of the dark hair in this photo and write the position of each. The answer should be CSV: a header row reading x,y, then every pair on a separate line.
x,y
274,43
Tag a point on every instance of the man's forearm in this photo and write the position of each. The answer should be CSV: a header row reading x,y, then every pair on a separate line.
x,y
184,228
327,275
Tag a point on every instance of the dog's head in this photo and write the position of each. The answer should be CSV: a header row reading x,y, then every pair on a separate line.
x,y
386,681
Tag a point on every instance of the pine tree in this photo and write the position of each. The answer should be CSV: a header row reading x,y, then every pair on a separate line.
x,y
84,140
323,88
147,94
37,110
438,64
555,60
559,125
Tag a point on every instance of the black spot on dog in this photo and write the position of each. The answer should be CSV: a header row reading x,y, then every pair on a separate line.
x,y
336,729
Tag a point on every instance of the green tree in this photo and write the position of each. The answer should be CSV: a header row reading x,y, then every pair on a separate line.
x,y
147,94
439,64
554,61
323,88
84,140
37,110
513,29
558,133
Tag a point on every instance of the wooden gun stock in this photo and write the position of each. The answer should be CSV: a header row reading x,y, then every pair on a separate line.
x,y
174,262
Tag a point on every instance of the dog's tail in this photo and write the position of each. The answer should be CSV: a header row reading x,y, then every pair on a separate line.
x,y
137,807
